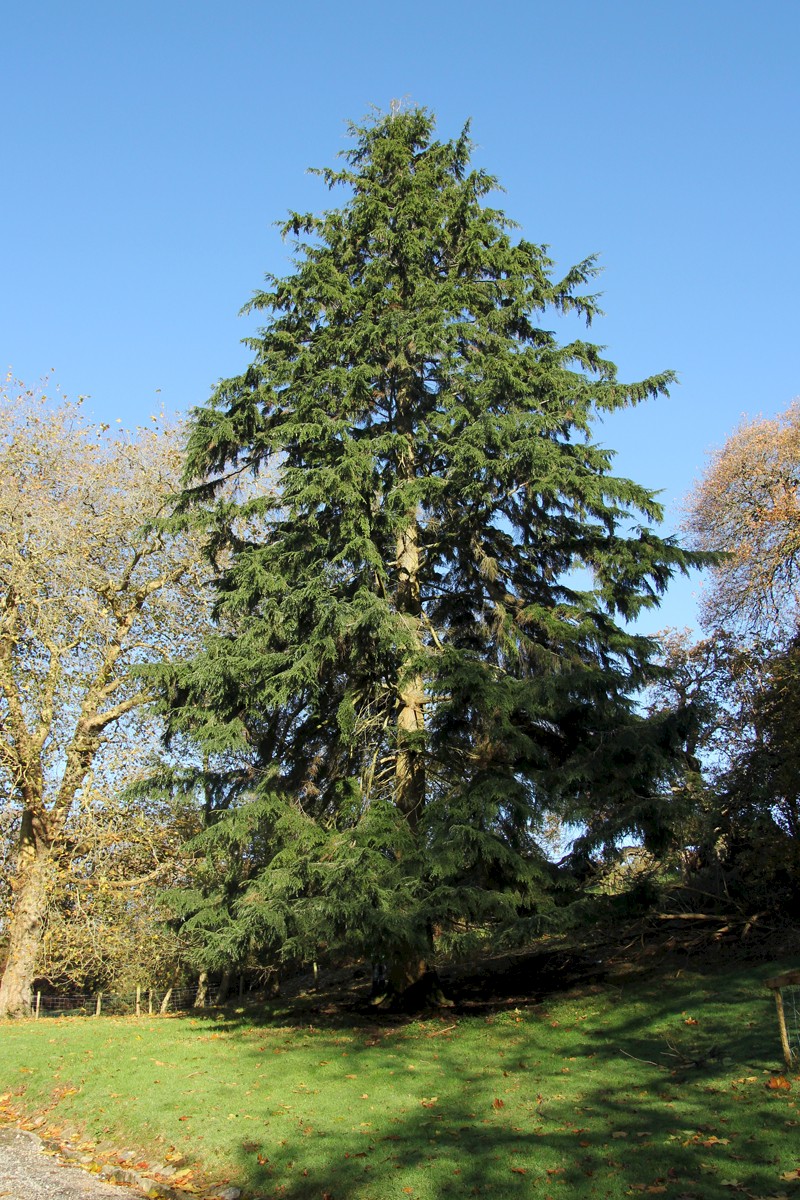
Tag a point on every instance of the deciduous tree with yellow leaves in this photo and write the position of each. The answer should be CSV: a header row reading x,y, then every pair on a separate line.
x,y
90,589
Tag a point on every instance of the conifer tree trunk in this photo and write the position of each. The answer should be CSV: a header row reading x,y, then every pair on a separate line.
x,y
201,996
408,965
410,763
27,923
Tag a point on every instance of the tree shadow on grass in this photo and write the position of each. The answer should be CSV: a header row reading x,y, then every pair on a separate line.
x,y
610,1145
648,1100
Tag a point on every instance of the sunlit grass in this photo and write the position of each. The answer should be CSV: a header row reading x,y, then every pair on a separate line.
x,y
657,1087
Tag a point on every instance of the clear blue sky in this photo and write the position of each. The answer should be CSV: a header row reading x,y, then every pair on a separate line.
x,y
149,147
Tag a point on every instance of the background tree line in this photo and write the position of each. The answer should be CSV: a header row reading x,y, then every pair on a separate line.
x,y
384,631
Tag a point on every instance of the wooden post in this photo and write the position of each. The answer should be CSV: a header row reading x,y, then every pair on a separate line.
x,y
38,1004
138,1000
789,979
150,1001
99,1005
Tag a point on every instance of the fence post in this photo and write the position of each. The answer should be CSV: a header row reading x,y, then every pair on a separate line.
x,y
138,1000
788,979
99,1005
38,1003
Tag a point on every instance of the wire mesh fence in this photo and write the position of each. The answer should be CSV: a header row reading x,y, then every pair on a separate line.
x,y
142,1001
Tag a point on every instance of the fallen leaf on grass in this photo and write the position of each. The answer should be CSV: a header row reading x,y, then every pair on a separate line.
x,y
520,1170
498,1103
778,1082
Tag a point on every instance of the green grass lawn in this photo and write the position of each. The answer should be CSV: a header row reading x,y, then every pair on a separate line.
x,y
655,1087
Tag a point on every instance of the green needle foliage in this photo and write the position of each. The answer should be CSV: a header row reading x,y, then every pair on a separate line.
x,y
422,646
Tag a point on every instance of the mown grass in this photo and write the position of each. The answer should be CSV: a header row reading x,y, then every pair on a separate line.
x,y
660,1086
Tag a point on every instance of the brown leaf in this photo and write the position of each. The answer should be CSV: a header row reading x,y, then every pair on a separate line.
x,y
498,1103
778,1082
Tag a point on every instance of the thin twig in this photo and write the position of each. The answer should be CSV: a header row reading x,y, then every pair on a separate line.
x,y
649,1061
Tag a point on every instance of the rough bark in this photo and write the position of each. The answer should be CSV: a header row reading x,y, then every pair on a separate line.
x,y
407,969
201,996
224,987
27,922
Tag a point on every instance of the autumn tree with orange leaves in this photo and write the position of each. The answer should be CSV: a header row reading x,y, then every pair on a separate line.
x,y
748,505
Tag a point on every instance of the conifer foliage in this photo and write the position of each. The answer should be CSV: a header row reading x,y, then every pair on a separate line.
x,y
421,645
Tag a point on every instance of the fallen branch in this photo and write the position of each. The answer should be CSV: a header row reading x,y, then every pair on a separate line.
x,y
688,917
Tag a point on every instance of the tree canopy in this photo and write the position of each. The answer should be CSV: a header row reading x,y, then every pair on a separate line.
x,y
423,644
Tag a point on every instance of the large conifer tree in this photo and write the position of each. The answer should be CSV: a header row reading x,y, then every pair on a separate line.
x,y
422,643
